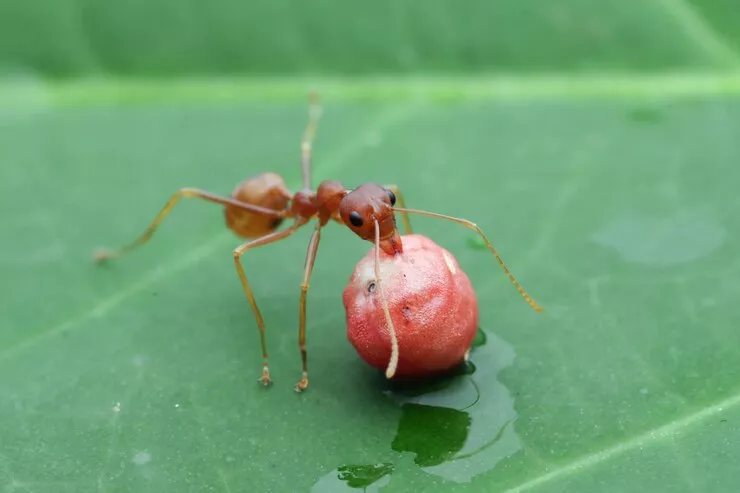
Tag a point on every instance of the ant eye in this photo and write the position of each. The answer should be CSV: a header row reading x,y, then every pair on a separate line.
x,y
355,218
392,196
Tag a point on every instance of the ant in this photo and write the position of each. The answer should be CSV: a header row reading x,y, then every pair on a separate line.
x,y
259,205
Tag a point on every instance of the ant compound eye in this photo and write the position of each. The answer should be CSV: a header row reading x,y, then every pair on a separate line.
x,y
355,219
392,196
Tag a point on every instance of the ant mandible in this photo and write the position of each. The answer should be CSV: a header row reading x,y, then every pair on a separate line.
x,y
259,205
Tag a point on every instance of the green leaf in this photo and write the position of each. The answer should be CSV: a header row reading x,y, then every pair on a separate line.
x,y
612,198
141,375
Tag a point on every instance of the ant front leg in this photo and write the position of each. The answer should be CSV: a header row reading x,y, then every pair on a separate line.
x,y
402,204
238,252
471,225
313,247
164,212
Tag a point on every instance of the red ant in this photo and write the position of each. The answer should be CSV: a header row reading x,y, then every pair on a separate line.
x,y
259,205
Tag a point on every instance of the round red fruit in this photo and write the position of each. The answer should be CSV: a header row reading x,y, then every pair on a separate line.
x,y
432,304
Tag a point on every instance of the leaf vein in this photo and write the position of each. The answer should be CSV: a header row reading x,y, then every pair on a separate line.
x,y
667,431
701,32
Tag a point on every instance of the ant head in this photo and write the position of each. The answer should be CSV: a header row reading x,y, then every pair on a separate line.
x,y
364,205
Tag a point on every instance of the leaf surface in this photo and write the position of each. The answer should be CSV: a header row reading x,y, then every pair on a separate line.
x,y
612,198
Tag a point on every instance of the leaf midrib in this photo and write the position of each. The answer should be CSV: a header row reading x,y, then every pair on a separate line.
x,y
137,90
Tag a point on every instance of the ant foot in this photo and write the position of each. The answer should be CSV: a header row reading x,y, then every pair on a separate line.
x,y
265,378
101,255
303,384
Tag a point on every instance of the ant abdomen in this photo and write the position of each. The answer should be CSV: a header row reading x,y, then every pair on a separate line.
x,y
266,190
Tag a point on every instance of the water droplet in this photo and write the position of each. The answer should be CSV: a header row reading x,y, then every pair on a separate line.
x,y
373,139
657,241
456,426
368,478
24,96
645,115
141,458
480,338
476,243
479,414
363,476
419,422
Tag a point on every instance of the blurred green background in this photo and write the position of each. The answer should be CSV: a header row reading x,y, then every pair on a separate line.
x,y
593,140
186,37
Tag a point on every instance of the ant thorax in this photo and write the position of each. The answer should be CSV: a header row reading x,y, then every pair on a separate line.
x,y
304,204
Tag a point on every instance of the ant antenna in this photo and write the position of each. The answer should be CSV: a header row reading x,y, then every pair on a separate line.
x,y
474,227
393,363
314,113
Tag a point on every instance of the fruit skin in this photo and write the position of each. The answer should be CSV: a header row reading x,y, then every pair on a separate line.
x,y
432,303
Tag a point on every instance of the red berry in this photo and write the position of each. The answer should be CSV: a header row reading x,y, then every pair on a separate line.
x,y
431,301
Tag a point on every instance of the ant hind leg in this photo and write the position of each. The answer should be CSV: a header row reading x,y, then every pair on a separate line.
x,y
103,255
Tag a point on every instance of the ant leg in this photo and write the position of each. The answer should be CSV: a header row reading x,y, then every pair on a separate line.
x,y
183,193
474,227
314,113
402,205
313,247
238,252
